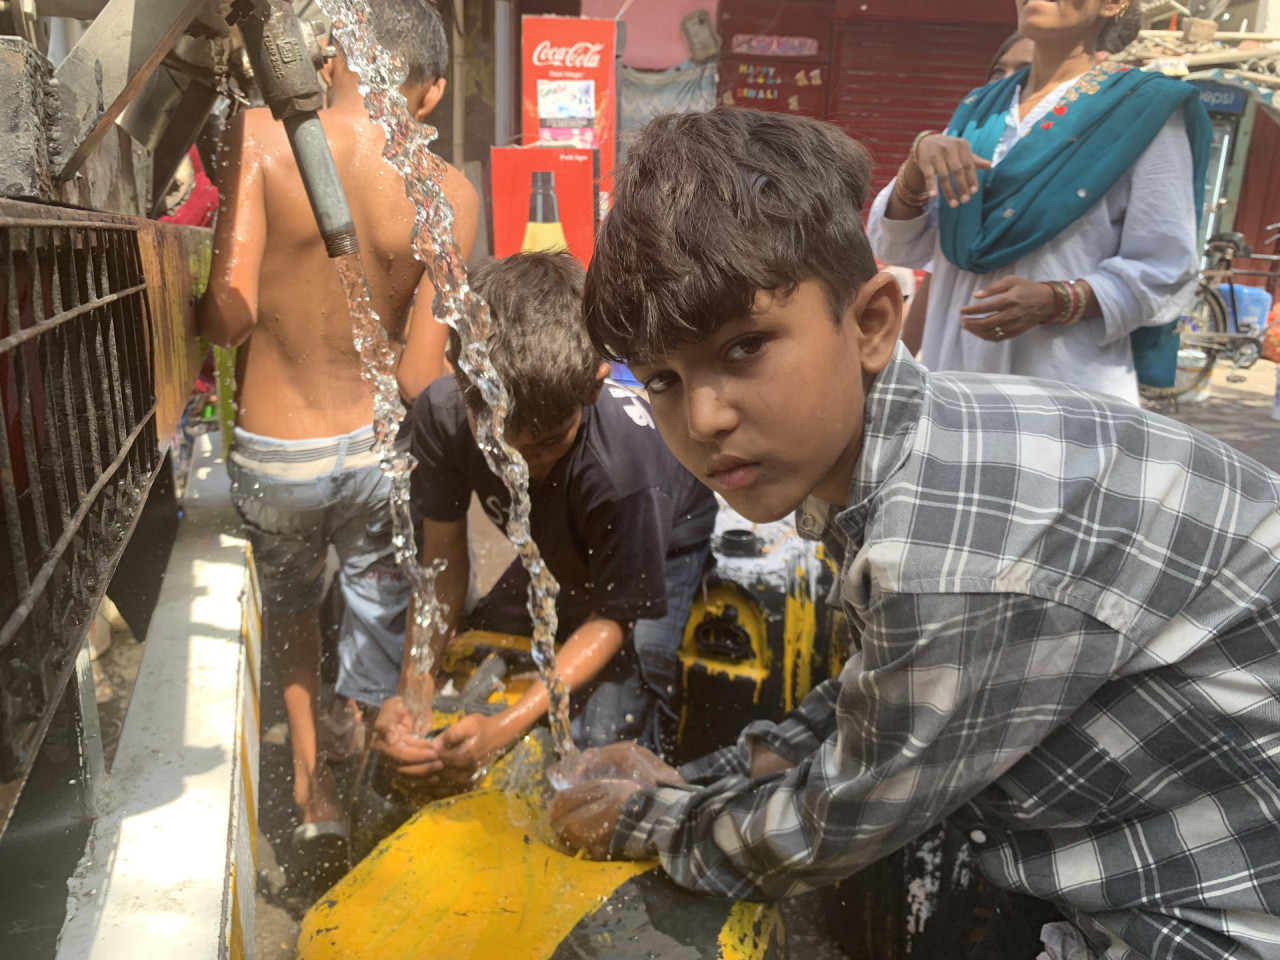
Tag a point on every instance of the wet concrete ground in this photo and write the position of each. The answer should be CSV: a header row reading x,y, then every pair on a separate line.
x,y
1238,414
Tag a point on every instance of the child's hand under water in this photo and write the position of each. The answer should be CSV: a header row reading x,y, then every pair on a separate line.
x,y
413,756
592,787
585,816
625,760
469,744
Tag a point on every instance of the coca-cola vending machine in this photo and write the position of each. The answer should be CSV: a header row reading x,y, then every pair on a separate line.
x,y
568,94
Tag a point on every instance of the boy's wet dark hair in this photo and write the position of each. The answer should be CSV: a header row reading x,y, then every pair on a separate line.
x,y
710,209
413,31
538,343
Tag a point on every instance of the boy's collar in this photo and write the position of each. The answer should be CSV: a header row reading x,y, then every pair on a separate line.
x,y
889,422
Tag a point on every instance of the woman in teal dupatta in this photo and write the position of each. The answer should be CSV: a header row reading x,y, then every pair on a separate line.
x,y
1059,209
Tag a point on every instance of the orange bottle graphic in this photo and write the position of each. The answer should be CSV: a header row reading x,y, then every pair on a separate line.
x,y
543,231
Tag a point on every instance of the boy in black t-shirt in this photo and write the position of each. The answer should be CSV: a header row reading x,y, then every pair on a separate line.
x,y
623,527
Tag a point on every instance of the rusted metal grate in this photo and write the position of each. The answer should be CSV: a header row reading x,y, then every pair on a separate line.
x,y
78,452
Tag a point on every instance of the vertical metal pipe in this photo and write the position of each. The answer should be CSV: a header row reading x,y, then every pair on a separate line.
x,y
504,56
324,189
459,83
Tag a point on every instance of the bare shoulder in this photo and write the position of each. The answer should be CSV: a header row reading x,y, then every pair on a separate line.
x,y
459,192
465,202
262,133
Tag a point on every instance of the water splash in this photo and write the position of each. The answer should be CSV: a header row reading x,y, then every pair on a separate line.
x,y
407,151
378,370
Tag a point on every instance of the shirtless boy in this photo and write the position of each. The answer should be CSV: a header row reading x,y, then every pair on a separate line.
x,y
304,476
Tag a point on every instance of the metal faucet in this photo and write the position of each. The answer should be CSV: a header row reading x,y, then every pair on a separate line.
x,y
285,56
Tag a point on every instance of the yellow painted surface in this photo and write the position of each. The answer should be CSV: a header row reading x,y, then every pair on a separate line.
x,y
756,669
799,631
748,931
464,646
465,878
236,941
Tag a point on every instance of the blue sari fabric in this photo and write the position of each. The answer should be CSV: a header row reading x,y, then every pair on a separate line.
x,y
1060,169
1066,164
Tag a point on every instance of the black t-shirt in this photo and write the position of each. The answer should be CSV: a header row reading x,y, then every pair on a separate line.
x,y
606,518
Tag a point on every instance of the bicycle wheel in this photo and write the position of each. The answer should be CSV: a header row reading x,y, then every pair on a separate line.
x,y
1207,314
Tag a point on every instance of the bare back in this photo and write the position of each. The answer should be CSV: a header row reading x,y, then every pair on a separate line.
x,y
298,373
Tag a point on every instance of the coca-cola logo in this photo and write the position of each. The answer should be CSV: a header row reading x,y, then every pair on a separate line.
x,y
581,55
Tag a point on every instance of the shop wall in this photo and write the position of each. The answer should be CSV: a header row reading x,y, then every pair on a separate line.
x,y
894,78
654,40
1260,193
932,11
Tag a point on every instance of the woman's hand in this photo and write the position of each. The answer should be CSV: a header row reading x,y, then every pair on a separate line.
x,y
949,161
1009,307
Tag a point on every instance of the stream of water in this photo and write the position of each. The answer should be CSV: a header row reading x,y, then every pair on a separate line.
x,y
462,309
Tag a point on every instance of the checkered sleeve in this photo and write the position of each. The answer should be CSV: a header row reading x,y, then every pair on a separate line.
x,y
952,690
796,736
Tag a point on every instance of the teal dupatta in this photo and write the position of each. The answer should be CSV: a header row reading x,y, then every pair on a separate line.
x,y
1066,164
1053,176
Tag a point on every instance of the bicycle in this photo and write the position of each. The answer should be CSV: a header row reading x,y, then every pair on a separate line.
x,y
1208,326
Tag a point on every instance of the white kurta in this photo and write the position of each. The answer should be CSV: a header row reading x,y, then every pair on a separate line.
x,y
1136,248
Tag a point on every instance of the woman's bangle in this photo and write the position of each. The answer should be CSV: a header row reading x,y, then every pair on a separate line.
x,y
915,144
1077,301
1069,302
1060,301
908,197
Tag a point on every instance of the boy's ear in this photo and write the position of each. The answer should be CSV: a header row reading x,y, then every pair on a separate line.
x,y
601,372
877,311
326,72
426,98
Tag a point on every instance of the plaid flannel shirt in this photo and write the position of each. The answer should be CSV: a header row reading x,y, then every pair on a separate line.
x,y
1069,622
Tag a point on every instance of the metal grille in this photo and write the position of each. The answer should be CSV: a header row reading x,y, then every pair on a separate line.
x,y
78,452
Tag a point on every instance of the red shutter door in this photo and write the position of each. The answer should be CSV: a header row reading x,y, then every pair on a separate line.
x,y
894,78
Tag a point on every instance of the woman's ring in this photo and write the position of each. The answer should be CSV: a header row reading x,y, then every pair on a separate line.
x,y
999,334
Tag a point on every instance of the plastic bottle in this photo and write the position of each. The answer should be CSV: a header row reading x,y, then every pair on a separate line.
x,y
1275,403
544,231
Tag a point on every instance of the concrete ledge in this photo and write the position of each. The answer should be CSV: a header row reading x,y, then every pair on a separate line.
x,y
169,867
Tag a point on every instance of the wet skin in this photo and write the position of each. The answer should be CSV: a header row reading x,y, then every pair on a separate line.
x,y
274,292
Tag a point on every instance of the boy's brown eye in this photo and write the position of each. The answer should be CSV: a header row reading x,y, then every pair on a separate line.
x,y
659,382
746,347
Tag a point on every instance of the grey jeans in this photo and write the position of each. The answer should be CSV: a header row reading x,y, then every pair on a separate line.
x,y
299,497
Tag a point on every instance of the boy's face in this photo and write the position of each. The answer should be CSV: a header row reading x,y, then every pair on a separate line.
x,y
768,410
543,449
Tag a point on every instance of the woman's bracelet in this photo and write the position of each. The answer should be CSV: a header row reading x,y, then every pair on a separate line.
x,y
1069,302
915,144
908,197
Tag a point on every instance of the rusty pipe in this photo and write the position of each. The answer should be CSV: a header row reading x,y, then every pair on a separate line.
x,y
285,65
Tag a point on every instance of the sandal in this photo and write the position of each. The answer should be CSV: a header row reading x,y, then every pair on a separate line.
x,y
324,854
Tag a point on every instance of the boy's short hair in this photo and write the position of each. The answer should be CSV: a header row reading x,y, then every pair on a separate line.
x,y
538,342
709,209
413,31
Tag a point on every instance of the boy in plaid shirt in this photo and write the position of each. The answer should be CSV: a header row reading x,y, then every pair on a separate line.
x,y
1068,609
